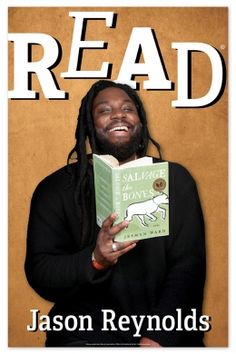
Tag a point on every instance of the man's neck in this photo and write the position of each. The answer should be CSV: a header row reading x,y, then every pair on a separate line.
x,y
131,158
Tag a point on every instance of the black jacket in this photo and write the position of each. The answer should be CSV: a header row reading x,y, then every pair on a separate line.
x,y
157,277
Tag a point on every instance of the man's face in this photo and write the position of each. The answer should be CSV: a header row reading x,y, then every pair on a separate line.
x,y
117,124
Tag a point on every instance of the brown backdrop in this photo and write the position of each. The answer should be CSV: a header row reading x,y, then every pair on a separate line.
x,y
41,132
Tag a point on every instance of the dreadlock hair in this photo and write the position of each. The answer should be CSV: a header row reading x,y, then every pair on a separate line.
x,y
85,130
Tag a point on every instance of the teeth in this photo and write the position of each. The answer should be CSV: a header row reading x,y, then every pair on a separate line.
x,y
122,127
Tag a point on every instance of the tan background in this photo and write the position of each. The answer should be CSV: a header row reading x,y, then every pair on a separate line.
x,y
41,133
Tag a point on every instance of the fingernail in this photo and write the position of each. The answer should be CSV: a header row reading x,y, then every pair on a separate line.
x,y
114,215
126,223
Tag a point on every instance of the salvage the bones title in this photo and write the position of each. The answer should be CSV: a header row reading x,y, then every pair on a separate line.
x,y
141,39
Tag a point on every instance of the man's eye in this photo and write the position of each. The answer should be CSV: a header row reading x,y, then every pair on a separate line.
x,y
104,110
128,109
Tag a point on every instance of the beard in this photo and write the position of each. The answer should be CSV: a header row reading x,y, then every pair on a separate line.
x,y
121,150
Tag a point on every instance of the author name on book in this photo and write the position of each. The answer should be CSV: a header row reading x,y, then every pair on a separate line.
x,y
111,322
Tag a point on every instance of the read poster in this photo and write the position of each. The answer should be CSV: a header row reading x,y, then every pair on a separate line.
x,y
183,84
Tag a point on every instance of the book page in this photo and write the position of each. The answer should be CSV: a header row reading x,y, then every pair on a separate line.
x,y
109,160
143,161
113,162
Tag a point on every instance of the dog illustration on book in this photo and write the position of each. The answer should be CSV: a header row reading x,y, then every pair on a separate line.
x,y
147,208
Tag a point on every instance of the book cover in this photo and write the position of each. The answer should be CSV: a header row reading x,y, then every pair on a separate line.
x,y
137,191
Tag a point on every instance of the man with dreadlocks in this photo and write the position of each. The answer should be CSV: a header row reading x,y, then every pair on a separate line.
x,y
75,264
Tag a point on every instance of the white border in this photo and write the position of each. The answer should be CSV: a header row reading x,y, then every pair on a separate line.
x,y
118,3
4,4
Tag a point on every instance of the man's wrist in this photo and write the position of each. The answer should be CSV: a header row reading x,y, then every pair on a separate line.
x,y
96,264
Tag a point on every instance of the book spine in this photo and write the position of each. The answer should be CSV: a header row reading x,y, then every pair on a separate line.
x,y
103,190
116,195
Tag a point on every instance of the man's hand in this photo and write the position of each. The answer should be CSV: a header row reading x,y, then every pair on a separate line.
x,y
147,342
105,253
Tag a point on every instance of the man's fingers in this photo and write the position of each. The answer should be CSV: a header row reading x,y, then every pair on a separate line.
x,y
109,229
119,247
109,249
108,222
117,228
125,249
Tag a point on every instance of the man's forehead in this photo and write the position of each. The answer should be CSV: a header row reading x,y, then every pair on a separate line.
x,y
111,93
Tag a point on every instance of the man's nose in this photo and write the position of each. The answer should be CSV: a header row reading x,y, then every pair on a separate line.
x,y
118,113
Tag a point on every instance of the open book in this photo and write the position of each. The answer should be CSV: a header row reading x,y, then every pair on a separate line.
x,y
138,191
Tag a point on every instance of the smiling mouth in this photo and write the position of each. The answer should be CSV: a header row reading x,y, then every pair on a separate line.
x,y
119,128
